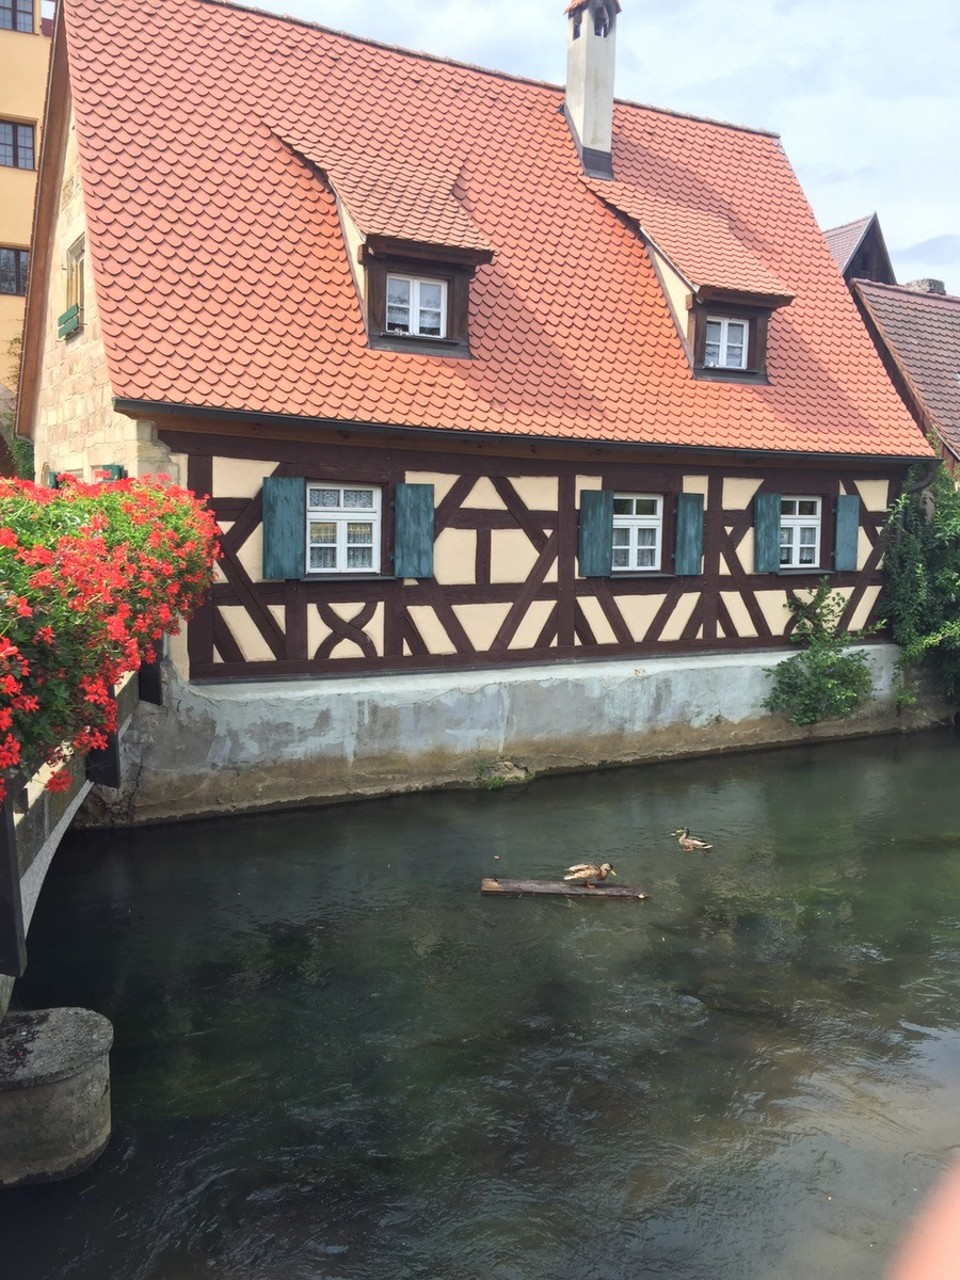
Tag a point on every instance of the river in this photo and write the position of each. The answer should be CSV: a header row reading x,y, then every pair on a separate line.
x,y
336,1060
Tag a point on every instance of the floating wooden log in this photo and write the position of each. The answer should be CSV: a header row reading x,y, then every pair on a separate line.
x,y
559,888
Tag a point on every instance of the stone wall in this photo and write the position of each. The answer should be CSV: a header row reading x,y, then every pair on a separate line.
x,y
218,749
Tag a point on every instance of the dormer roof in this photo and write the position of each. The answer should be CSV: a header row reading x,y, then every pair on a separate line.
x,y
224,283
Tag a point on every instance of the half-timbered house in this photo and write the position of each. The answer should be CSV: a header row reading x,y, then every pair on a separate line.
x,y
479,372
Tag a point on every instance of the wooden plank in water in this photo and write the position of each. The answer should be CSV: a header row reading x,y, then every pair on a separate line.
x,y
520,888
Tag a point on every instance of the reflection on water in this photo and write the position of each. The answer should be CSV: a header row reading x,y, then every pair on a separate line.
x,y
335,1061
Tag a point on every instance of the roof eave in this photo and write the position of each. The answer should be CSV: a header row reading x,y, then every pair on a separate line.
x,y
156,410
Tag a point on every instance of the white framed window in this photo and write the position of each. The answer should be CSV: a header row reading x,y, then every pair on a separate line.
x,y
637,531
799,533
726,343
417,306
343,527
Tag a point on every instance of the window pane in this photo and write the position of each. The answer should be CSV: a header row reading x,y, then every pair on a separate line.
x,y
8,271
807,507
646,537
788,506
646,558
806,555
621,559
323,531
357,498
398,305
621,537
714,330
323,558
647,506
323,497
623,506
431,296
359,557
6,143
359,533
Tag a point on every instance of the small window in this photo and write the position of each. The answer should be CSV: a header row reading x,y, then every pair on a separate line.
x,y
417,306
637,531
72,319
343,528
14,264
799,533
726,342
16,15
16,145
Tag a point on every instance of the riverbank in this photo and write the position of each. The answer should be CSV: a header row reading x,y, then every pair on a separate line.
x,y
218,749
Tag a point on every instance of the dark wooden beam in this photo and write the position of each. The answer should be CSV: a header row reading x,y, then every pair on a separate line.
x,y
13,948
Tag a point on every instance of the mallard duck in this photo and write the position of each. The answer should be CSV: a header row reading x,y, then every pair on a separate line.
x,y
586,872
689,842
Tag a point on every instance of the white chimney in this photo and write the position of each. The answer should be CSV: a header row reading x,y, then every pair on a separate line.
x,y
591,50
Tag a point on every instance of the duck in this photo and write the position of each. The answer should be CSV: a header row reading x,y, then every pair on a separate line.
x,y
691,843
586,873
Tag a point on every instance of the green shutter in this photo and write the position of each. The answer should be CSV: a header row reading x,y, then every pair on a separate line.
x,y
69,322
689,552
848,526
596,533
413,531
766,533
284,527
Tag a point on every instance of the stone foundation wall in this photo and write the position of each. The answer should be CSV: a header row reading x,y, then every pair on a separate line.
x,y
218,749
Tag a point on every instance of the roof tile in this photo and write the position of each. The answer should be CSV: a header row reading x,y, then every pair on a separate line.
x,y
214,242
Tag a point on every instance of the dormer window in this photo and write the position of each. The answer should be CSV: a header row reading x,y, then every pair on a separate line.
x,y
729,340
416,305
725,343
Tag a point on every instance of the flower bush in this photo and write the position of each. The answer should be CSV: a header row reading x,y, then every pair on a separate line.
x,y
91,578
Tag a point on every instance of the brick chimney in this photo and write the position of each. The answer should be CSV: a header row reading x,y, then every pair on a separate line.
x,y
926,285
591,50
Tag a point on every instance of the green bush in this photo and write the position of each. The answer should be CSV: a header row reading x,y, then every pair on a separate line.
x,y
827,680
921,597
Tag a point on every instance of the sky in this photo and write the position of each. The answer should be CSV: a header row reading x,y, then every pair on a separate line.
x,y
865,94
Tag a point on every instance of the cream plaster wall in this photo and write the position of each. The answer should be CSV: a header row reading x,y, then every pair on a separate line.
x,y
481,622
513,555
697,484
431,629
240,477
484,497
538,493
773,607
601,628
24,57
639,612
875,494
738,493
739,613
454,556
442,482
680,616
534,620
676,289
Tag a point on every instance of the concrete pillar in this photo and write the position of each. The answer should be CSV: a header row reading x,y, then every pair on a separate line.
x,y
54,1093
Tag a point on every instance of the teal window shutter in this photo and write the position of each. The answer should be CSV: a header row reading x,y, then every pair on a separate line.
x,y
284,527
689,554
413,531
766,533
595,550
848,527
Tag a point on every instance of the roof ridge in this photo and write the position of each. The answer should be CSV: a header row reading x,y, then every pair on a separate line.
x,y
854,222
905,288
473,66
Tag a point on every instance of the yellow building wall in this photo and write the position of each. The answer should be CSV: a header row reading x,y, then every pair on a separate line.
x,y
24,58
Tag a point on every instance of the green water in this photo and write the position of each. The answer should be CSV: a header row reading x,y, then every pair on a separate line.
x,y
335,1060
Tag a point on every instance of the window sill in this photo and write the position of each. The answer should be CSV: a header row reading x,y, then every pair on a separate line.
x,y
756,376
641,573
351,575
420,346
804,572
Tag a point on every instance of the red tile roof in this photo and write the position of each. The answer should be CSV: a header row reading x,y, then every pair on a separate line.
x,y
922,333
223,279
